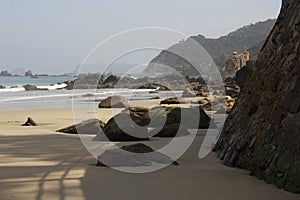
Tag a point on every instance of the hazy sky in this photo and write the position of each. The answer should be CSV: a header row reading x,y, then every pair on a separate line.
x,y
53,36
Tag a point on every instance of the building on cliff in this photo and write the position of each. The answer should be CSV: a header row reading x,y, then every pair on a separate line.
x,y
235,63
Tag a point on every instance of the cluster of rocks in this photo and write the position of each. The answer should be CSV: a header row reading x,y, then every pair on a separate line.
x,y
30,74
132,124
27,74
5,73
262,133
98,81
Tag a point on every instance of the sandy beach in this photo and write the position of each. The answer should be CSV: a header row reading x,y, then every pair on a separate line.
x,y
37,163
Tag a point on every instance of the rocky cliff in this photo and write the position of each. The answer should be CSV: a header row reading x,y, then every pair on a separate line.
x,y
250,37
262,133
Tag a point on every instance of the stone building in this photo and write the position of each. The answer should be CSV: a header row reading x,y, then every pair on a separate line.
x,y
235,63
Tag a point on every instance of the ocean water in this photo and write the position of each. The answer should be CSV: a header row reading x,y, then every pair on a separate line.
x,y
18,98
19,81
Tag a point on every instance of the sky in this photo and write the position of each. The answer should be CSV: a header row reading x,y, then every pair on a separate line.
x,y
55,36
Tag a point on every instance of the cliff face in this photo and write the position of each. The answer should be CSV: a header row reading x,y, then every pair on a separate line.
x,y
250,37
262,133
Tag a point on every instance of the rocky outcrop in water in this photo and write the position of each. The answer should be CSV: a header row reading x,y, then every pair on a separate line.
x,y
5,73
29,73
30,87
262,133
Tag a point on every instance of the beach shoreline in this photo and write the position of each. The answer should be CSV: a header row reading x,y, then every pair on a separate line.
x,y
38,163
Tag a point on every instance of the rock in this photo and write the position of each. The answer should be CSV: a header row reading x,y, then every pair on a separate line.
x,y
172,130
184,116
5,73
2,87
114,102
91,126
70,85
232,92
29,122
154,86
173,101
157,97
154,92
88,95
30,87
28,73
243,74
129,125
188,93
133,156
262,132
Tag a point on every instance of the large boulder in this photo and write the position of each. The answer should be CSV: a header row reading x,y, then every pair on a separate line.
x,y
171,130
2,87
91,126
129,125
189,118
114,102
262,133
133,156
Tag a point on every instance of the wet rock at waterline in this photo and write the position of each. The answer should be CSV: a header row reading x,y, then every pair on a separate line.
x,y
114,102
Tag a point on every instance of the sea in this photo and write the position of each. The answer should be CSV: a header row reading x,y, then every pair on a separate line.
x,y
14,96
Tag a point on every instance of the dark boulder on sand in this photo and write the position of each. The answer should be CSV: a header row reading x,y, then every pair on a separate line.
x,y
133,156
2,87
91,126
129,125
114,102
172,130
174,100
191,118
30,122
175,121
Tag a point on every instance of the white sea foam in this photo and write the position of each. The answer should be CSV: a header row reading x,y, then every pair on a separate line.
x,y
53,87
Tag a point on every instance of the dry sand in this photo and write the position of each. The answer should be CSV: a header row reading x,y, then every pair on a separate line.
x,y
37,163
